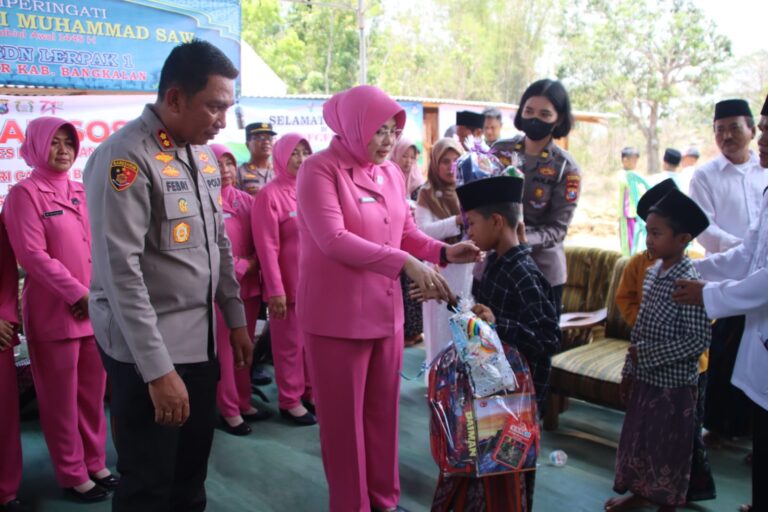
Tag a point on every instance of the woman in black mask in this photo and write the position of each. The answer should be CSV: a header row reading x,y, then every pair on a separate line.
x,y
552,177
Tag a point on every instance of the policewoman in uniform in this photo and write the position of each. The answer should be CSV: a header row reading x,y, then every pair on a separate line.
x,y
552,177
161,257
47,222
356,235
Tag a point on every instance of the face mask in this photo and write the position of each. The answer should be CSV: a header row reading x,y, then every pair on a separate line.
x,y
535,128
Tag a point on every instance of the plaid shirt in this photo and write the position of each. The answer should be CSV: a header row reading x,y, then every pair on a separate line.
x,y
524,306
669,337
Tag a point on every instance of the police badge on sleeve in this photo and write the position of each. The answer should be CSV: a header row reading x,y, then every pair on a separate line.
x,y
122,174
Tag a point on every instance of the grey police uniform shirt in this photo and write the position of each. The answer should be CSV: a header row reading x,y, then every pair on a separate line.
x,y
160,250
248,173
552,188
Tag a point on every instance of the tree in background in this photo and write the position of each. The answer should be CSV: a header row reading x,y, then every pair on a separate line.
x,y
638,56
314,49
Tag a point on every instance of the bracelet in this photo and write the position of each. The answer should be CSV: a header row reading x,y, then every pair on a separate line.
x,y
444,255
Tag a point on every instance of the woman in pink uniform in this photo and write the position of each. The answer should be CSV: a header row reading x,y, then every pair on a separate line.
x,y
233,395
356,234
275,232
10,432
47,222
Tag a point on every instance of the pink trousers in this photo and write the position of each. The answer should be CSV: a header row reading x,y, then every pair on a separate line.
x,y
10,434
69,382
289,355
233,394
356,384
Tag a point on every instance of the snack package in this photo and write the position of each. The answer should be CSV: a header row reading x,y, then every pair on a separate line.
x,y
480,348
477,163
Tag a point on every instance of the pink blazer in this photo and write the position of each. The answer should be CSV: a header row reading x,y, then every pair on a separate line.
x,y
52,241
354,235
9,281
276,234
237,206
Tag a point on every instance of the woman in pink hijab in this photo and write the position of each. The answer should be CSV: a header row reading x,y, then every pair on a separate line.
x,y
356,235
406,156
47,222
233,394
276,234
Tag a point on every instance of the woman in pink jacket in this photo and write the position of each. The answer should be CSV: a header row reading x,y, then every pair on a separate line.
x,y
233,394
10,432
276,234
356,234
47,222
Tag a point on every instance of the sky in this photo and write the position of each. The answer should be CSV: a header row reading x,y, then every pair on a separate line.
x,y
743,21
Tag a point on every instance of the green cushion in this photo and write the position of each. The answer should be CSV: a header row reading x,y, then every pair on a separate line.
x,y
591,372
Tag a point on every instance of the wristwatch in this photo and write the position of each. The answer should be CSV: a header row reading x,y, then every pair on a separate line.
x,y
444,256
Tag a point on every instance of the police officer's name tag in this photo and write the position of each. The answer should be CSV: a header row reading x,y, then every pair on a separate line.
x,y
53,213
367,199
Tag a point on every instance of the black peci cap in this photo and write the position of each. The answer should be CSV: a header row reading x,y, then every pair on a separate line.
x,y
732,108
672,156
653,196
470,119
676,205
488,191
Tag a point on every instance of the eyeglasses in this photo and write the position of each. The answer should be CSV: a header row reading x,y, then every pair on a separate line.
x,y
383,133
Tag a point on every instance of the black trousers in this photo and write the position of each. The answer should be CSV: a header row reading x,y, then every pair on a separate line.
x,y
163,469
760,460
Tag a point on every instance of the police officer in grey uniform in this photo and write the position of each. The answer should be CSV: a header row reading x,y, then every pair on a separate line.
x,y
552,177
160,258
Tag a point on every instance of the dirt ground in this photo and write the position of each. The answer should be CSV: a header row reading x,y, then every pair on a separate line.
x,y
595,223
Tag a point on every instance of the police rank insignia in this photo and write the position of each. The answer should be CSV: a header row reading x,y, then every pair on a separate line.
x,y
165,139
170,171
183,206
538,193
181,232
122,174
164,157
209,169
572,186
547,171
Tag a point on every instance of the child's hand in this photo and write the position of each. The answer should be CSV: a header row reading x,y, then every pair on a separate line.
x,y
484,312
625,389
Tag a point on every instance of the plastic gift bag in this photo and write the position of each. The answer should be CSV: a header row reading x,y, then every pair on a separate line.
x,y
481,436
477,163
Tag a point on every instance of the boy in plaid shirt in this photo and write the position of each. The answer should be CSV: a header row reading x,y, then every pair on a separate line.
x,y
514,295
660,375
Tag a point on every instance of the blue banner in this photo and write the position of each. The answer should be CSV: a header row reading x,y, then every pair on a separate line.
x,y
115,45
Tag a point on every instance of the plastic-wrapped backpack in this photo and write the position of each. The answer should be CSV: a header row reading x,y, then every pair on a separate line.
x,y
474,434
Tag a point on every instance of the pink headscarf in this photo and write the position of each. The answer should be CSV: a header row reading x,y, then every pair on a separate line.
x,y
356,114
37,143
219,150
282,151
413,176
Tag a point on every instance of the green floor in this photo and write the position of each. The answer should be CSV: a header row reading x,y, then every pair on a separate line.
x,y
278,467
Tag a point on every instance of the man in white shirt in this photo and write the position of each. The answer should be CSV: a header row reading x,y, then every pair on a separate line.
x,y
738,280
730,187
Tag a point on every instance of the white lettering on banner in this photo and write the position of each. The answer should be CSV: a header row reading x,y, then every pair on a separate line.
x,y
54,8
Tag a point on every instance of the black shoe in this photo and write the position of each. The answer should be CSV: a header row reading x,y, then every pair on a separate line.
x,y
256,390
259,415
260,377
305,420
13,506
309,406
109,482
96,493
239,430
